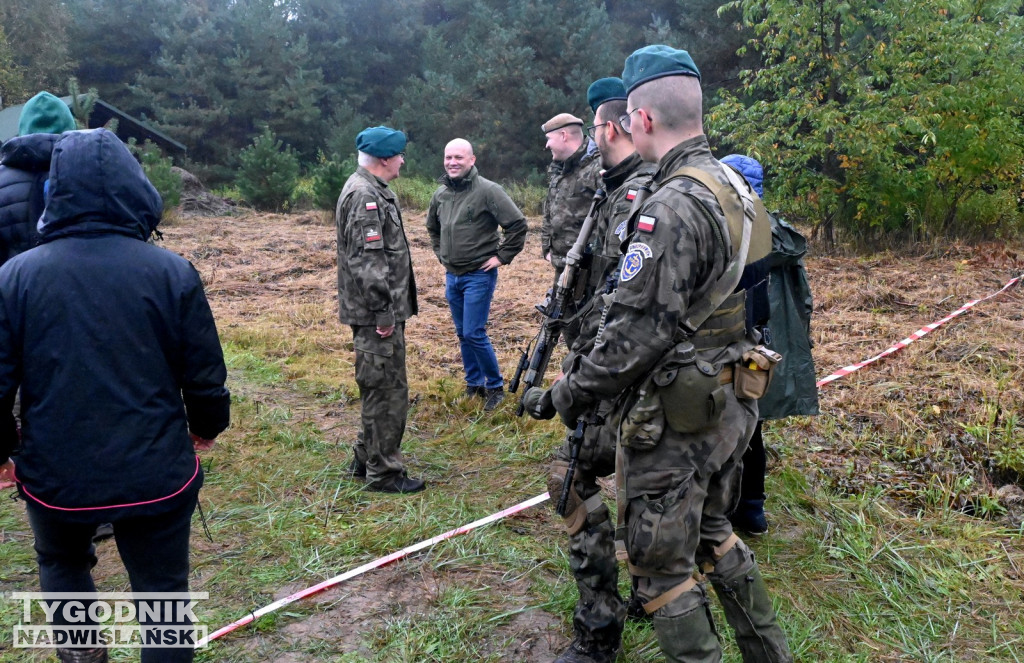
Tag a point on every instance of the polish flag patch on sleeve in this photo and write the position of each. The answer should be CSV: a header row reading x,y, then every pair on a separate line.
x,y
646,223
631,195
370,207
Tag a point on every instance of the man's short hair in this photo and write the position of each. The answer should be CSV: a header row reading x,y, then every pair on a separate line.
x,y
611,111
366,160
676,102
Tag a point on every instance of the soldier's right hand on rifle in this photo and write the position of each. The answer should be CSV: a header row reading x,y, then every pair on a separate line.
x,y
537,402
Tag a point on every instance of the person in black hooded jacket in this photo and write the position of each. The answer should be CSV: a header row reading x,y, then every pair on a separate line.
x,y
24,166
114,347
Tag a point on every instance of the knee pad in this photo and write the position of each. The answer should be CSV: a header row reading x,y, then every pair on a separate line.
x,y
575,512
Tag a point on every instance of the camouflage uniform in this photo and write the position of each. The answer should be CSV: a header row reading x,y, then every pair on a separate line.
x,y
676,488
599,614
621,184
376,288
571,187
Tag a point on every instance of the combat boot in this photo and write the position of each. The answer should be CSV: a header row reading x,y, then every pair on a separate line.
x,y
95,655
494,398
577,652
399,484
357,469
477,390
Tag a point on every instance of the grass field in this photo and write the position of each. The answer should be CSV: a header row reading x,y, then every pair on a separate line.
x,y
895,515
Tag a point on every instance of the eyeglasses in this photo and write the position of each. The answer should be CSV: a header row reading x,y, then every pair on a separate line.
x,y
592,130
625,121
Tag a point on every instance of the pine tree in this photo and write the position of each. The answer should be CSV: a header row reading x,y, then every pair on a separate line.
x,y
268,172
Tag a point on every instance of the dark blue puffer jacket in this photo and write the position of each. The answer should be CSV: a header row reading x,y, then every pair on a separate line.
x,y
24,166
113,345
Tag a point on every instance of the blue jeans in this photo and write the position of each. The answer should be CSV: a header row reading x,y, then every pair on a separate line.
x,y
469,297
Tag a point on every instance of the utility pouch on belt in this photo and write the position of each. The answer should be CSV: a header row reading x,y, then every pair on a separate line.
x,y
643,424
754,372
691,391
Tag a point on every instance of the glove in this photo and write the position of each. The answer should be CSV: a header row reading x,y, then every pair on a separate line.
x,y
537,403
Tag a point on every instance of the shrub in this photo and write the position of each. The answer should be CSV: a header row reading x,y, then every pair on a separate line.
x,y
413,192
329,177
268,172
158,169
527,197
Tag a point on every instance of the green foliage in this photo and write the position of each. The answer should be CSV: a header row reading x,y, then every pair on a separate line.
x,y
329,177
884,119
527,197
158,169
37,36
413,192
81,104
268,172
12,80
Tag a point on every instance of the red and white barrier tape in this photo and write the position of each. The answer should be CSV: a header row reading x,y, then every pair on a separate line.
x,y
383,561
522,506
920,333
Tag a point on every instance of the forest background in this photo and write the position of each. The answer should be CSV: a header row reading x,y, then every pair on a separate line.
x,y
880,120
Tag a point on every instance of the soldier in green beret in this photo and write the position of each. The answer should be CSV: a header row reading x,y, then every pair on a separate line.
x,y
673,354
598,618
376,295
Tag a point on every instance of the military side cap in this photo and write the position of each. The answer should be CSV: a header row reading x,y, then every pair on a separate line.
x,y
658,61
605,89
380,142
45,114
559,121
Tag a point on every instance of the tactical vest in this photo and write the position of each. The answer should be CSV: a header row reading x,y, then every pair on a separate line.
x,y
720,317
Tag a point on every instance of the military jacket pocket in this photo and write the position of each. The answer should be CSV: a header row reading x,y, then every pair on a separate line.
x,y
643,425
660,527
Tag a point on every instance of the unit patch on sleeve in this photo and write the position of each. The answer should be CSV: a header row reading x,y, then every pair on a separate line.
x,y
372,234
370,207
646,223
633,261
620,230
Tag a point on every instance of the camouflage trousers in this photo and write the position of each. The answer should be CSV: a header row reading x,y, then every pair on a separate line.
x,y
600,611
384,391
677,495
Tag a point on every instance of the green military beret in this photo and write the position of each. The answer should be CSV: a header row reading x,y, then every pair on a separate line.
x,y
651,62
45,114
380,142
559,121
605,89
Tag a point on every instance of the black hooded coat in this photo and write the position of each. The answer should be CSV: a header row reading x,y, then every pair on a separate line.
x,y
112,342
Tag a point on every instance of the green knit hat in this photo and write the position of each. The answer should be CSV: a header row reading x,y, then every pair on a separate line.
x,y
45,114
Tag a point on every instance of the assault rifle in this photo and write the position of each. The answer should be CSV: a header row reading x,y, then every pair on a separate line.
x,y
535,364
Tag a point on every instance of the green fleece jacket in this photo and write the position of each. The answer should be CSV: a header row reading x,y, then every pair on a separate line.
x,y
463,221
